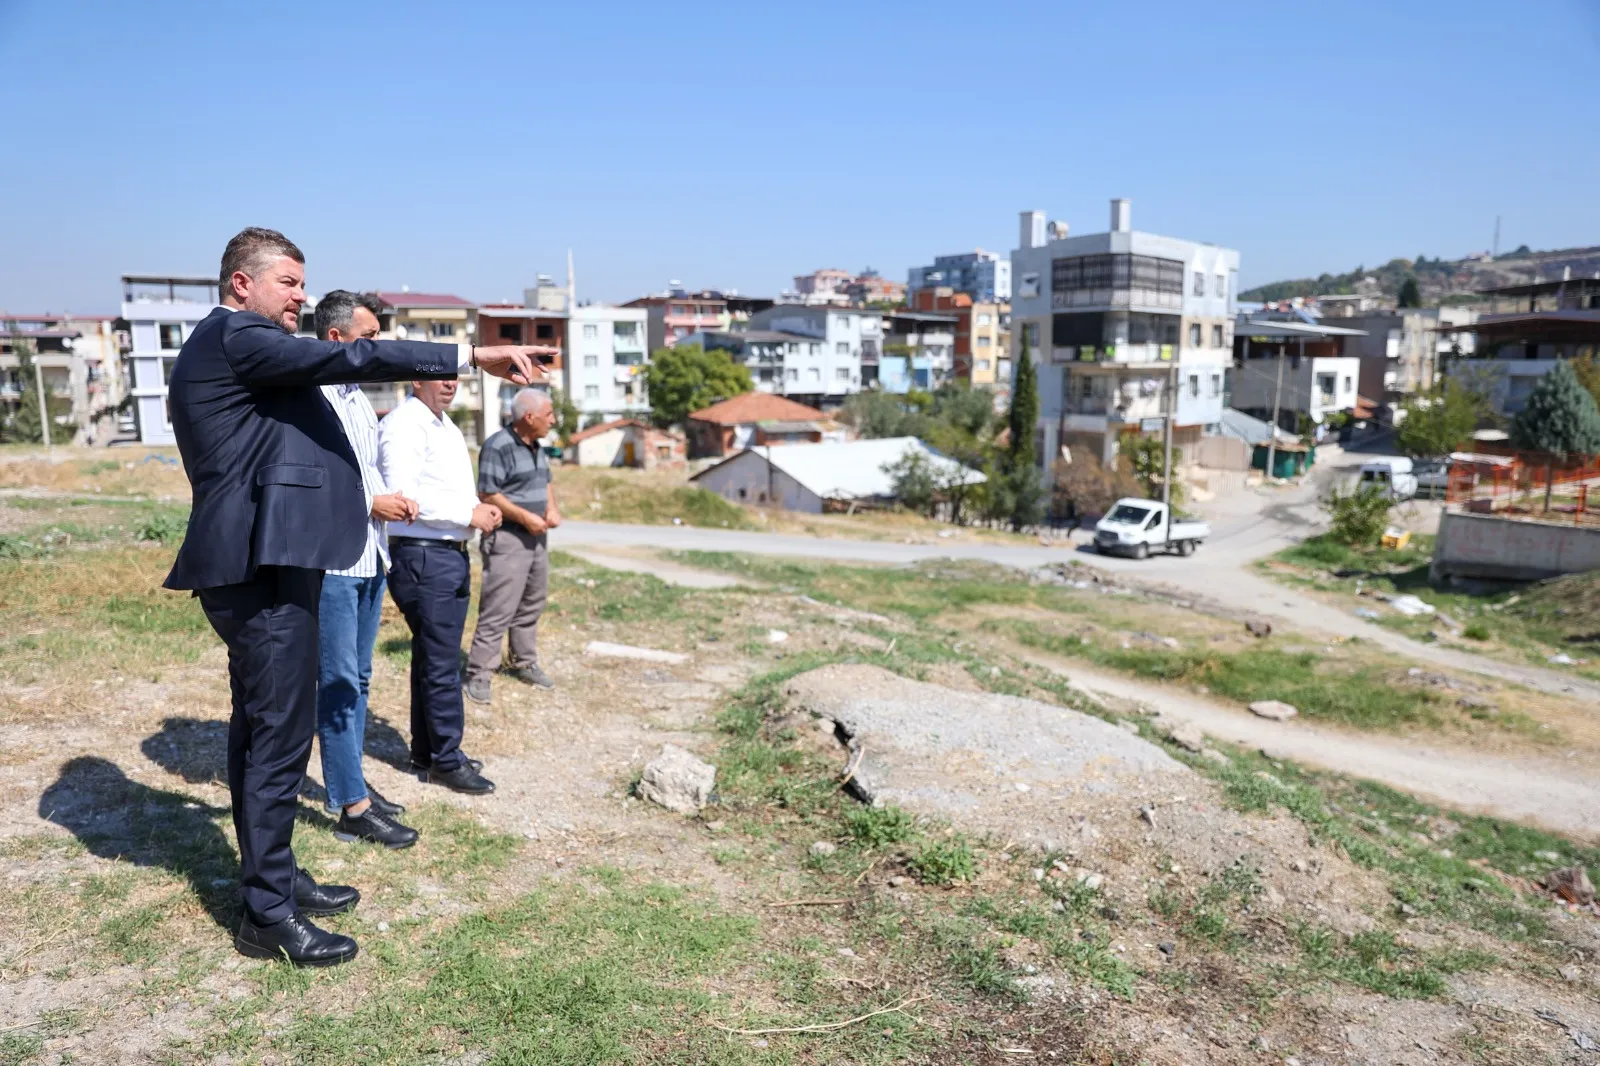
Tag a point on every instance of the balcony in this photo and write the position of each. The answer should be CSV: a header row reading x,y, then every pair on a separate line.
x,y
1116,300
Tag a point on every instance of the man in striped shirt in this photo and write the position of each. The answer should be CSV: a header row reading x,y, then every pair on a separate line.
x,y
352,603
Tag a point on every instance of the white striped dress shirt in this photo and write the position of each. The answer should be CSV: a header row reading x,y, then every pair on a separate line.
x,y
360,424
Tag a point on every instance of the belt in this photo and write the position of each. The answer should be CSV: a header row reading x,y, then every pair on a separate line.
x,y
432,542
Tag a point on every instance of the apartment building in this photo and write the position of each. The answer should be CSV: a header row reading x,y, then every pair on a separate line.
x,y
918,350
78,359
1302,368
826,286
605,369
870,288
673,315
1107,316
832,349
982,333
764,352
1402,351
1521,335
984,276
160,311
542,321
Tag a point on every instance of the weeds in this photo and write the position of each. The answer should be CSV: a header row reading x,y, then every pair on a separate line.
x,y
944,861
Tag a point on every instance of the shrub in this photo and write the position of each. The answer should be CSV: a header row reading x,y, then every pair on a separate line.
x,y
874,827
163,527
1357,518
944,861
1476,631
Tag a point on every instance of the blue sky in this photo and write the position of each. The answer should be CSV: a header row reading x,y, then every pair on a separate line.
x,y
466,147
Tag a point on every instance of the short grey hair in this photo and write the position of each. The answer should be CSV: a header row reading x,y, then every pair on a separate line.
x,y
526,401
335,310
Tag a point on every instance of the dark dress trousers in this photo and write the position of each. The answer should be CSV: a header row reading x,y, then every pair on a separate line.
x,y
277,500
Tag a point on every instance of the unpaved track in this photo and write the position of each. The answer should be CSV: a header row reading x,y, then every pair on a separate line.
x,y
1549,792
1216,574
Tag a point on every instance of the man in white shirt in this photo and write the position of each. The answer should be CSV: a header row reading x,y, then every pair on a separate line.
x,y
422,455
351,606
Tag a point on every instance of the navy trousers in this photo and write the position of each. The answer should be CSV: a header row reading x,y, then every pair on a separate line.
x,y
431,582
269,624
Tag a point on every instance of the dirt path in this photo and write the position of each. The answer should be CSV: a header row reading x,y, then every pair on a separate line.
x,y
1549,792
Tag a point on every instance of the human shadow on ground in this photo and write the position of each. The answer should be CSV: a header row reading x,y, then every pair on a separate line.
x,y
123,820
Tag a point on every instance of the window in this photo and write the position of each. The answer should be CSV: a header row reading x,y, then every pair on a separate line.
x,y
841,348
1222,285
1030,330
843,373
985,318
1216,336
679,309
983,364
591,362
1325,387
591,392
1216,385
814,348
1194,333
1194,385
984,341
794,374
441,329
590,331
814,375
544,331
171,336
1029,289
1348,385
794,348
511,332
1199,283
1088,272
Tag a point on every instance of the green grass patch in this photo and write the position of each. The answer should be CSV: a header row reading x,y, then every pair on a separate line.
x,y
944,861
636,501
1360,696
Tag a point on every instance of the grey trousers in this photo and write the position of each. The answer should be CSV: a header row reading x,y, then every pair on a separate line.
x,y
516,577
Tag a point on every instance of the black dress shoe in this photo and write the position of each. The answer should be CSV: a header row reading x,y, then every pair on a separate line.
x,y
296,940
462,779
375,826
421,770
383,805
322,900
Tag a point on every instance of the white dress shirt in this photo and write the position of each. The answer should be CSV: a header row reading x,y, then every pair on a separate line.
x,y
424,456
360,424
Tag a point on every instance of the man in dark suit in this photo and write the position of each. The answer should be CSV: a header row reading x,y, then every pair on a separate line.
x,y
278,499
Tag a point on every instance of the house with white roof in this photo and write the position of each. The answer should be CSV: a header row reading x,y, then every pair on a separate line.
x,y
813,478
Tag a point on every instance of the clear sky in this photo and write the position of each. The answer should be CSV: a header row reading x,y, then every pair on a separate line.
x,y
465,147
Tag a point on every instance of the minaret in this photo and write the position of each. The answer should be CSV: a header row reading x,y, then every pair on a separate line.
x,y
572,285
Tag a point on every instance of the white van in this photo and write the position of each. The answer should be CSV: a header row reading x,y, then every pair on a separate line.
x,y
1392,475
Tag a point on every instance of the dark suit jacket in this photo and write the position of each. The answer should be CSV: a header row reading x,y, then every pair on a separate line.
x,y
275,481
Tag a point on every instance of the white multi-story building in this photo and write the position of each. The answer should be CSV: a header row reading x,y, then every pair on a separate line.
x,y
822,365
161,312
606,359
1106,317
982,275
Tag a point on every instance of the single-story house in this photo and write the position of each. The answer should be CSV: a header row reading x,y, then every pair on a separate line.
x,y
817,477
626,442
754,418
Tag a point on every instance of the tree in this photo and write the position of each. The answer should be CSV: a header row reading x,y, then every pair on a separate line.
x,y
1088,486
1146,458
877,414
26,424
1560,416
566,414
687,378
1410,294
1587,367
1439,421
1023,486
915,483
1358,518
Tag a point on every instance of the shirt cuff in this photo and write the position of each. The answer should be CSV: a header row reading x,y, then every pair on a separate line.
x,y
463,357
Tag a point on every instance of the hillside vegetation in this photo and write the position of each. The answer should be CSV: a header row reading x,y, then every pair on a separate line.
x,y
1440,280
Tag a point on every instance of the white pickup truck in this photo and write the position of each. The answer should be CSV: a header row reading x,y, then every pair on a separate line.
x,y
1136,527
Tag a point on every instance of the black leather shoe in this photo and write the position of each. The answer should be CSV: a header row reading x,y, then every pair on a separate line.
x,y
296,940
374,826
383,805
322,900
421,769
462,779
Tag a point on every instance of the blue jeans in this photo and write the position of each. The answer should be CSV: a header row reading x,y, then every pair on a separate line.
x,y
348,617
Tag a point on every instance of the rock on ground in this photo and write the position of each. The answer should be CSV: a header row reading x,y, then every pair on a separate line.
x,y
677,780
1276,710
627,651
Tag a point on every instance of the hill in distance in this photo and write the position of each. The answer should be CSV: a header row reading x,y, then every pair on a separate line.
x,y
1442,281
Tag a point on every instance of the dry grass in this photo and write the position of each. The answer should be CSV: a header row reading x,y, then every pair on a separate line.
x,y
142,472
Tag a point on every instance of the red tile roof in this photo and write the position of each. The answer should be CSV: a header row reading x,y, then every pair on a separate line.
x,y
756,407
594,431
423,299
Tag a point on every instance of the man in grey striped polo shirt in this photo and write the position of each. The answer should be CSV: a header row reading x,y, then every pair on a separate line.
x,y
352,603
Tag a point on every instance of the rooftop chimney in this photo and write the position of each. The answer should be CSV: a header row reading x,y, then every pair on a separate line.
x,y
1121,216
1032,235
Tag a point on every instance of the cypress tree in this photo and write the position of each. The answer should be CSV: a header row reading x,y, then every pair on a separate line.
x,y
1023,487
1560,416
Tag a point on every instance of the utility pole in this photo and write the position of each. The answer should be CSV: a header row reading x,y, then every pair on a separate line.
x,y
1277,393
44,406
1166,443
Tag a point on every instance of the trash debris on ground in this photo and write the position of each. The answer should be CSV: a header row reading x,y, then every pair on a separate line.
x,y
627,651
1410,605
776,636
1368,613
1275,710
